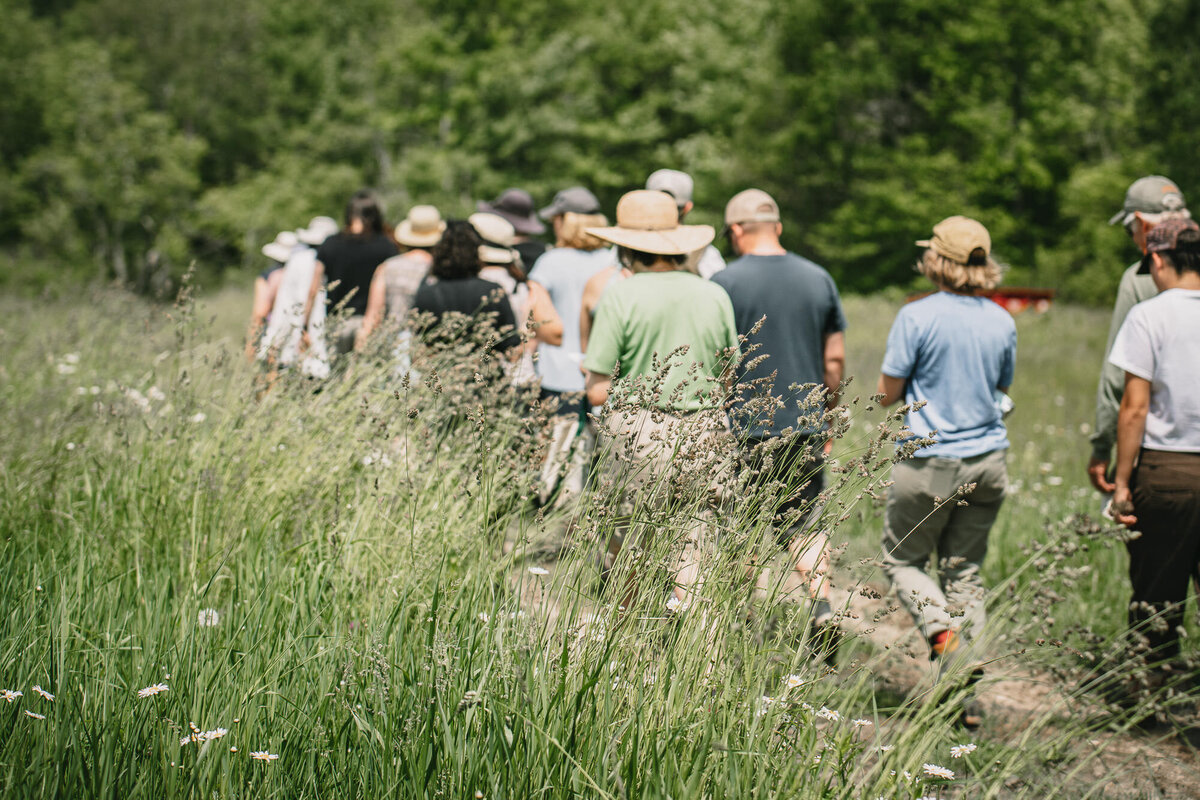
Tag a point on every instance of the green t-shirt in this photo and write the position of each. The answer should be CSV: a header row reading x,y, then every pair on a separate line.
x,y
643,320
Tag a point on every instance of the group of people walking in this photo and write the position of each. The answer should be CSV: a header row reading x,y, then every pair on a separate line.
x,y
646,312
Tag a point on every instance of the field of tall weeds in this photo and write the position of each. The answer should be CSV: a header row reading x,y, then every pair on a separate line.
x,y
216,585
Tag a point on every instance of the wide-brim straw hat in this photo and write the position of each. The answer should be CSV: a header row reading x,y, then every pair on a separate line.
x,y
319,229
422,227
280,249
649,221
498,235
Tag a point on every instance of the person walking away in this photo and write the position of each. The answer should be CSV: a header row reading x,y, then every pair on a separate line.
x,y
516,206
1148,202
455,290
803,340
951,351
396,280
347,262
536,318
266,287
1157,480
563,272
288,340
705,262
663,322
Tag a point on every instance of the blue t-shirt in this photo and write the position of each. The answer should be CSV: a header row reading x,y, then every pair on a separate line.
x,y
563,272
954,351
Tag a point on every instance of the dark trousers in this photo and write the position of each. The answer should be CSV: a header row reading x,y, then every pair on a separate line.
x,y
797,465
1166,501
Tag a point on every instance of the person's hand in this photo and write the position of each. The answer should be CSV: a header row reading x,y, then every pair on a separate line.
x,y
305,342
1122,506
1097,471
828,448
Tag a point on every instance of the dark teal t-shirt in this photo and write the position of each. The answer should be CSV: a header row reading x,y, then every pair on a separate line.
x,y
800,302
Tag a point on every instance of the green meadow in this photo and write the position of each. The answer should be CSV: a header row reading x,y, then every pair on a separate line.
x,y
344,590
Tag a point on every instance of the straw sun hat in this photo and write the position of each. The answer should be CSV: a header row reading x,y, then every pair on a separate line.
x,y
281,248
649,221
497,234
421,228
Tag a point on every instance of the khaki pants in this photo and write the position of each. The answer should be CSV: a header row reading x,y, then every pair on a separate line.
x,y
923,516
654,458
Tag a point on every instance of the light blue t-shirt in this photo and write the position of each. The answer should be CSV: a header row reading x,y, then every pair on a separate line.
x,y
564,272
954,351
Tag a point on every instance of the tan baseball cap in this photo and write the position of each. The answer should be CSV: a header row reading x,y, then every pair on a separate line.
x,y
751,205
957,237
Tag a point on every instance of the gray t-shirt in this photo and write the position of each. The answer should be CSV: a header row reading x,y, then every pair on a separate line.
x,y
563,272
802,307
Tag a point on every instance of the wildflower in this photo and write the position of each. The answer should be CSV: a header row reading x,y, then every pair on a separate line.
x,y
70,445
960,750
806,707
863,723
674,604
150,691
208,618
138,399
155,393
934,771
795,681
38,690
539,571
29,713
71,358
478,795
65,369
198,417
886,748
11,694
233,749
829,714
215,733
263,755
483,617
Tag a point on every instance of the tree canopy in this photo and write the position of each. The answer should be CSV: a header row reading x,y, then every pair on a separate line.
x,y
137,137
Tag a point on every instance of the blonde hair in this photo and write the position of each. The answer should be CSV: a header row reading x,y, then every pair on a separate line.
x,y
572,233
982,276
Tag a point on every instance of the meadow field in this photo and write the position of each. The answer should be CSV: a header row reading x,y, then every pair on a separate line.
x,y
215,591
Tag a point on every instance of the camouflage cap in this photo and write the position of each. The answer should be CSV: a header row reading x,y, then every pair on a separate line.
x,y
1151,196
1165,236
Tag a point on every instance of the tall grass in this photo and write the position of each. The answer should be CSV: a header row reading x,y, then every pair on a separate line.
x,y
393,618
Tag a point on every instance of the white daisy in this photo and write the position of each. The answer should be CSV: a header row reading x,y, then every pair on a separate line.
x,y
215,733
38,690
829,714
150,691
263,755
863,723
795,681
208,618
198,417
960,750
29,713
11,694
934,771
539,571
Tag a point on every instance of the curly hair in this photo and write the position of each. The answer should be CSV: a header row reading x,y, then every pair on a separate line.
x,y
456,256
979,274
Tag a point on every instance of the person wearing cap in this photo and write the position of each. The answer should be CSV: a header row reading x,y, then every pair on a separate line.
x,y
396,280
951,351
706,262
1157,479
288,339
562,272
1149,201
673,336
348,260
531,305
516,206
801,335
266,288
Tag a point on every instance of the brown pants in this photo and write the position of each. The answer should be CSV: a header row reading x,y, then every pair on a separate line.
x,y
1166,501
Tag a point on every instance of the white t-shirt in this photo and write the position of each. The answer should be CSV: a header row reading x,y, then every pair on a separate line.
x,y
1160,342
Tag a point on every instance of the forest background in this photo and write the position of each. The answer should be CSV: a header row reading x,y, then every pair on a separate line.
x,y
138,137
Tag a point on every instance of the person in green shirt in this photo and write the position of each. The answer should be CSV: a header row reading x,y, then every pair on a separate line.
x,y
1148,202
664,343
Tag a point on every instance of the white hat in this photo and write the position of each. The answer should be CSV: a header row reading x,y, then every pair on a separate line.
x,y
319,229
281,248
649,221
498,236
421,228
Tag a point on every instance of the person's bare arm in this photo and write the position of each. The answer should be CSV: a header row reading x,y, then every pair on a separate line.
x,y
376,303
598,387
543,321
313,290
835,366
258,316
1131,427
891,389
591,296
